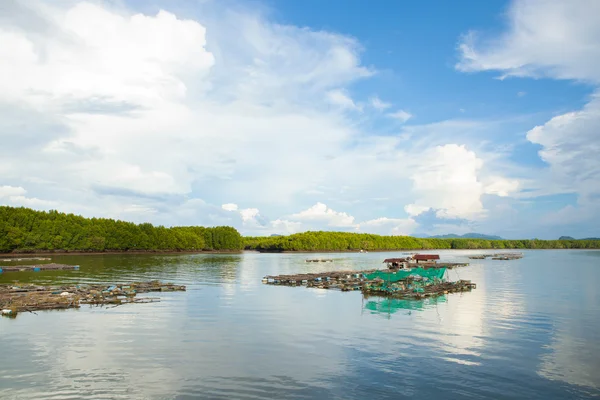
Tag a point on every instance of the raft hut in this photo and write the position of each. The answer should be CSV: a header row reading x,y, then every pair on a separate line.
x,y
425,258
396,263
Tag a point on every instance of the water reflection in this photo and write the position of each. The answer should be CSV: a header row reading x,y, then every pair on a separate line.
x,y
525,332
387,306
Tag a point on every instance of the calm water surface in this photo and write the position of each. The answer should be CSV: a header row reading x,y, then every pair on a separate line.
x,y
531,330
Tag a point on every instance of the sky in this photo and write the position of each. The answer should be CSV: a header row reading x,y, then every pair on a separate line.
x,y
276,117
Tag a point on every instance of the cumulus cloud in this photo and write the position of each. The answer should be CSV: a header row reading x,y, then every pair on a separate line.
x,y
554,39
249,214
321,213
106,111
197,124
570,145
15,196
501,186
414,209
229,207
448,181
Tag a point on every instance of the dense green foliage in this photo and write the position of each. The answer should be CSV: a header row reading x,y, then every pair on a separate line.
x,y
26,230
343,241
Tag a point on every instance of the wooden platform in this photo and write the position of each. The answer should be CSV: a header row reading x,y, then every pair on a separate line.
x,y
448,265
31,298
37,268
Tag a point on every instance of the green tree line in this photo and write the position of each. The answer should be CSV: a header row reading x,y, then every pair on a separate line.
x,y
26,230
344,241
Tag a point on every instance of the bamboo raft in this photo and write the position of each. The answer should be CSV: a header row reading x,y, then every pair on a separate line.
x,y
15,299
356,280
344,280
37,268
498,256
428,291
447,265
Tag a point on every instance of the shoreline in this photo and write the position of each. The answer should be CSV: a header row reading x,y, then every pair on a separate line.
x,y
186,252
115,252
415,251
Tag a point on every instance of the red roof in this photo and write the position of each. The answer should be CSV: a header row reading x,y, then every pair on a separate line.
x,y
394,260
425,257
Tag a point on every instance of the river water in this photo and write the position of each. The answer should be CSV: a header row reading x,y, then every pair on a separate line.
x,y
531,330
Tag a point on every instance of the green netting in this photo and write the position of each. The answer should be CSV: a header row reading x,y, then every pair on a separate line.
x,y
390,306
431,274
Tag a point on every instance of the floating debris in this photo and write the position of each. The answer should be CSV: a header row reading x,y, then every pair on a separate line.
x,y
37,268
497,256
320,260
15,299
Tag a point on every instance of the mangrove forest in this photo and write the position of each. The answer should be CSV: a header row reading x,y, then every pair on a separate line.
x,y
26,230
345,241
23,230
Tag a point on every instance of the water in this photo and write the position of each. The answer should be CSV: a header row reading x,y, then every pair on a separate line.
x,y
531,330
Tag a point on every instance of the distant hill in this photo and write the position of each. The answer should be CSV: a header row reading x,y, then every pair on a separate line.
x,y
471,235
572,238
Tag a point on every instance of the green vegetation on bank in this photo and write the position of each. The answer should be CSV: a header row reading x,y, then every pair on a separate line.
x,y
26,230
344,241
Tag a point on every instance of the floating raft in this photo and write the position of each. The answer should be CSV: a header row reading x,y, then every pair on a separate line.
x,y
320,260
416,283
15,299
438,265
498,256
410,290
344,280
26,259
37,268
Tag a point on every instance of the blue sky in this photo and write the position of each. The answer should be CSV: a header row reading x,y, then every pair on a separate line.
x,y
279,116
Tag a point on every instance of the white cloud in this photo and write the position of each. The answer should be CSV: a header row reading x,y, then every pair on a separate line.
x,y
379,104
10,191
229,207
229,107
321,213
112,92
342,99
570,145
283,226
389,226
414,210
15,196
560,40
400,115
249,214
137,208
521,94
552,38
448,180
501,186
